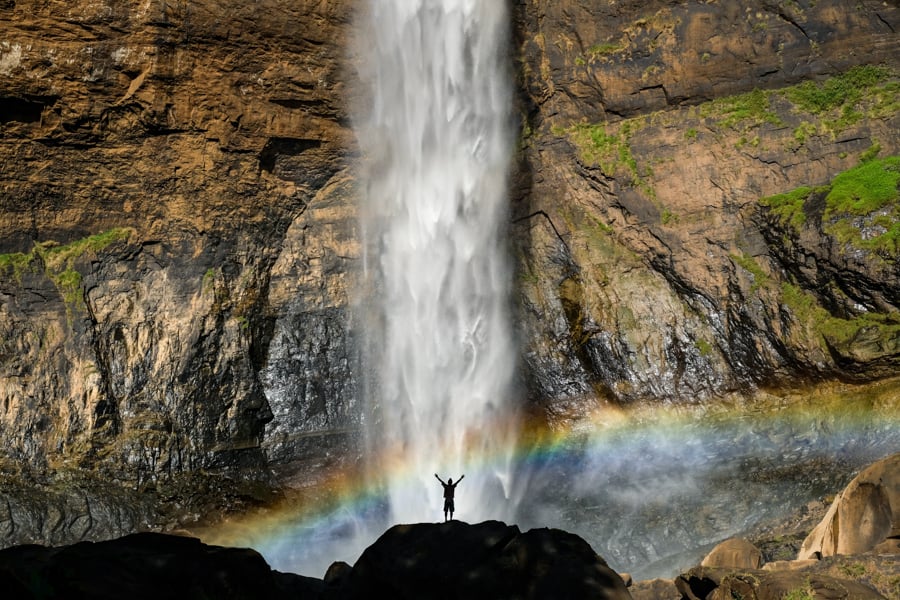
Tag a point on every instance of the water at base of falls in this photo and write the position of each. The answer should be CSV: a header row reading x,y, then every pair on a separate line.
x,y
439,359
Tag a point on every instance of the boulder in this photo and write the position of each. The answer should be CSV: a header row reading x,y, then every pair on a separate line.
x,y
146,566
707,583
655,589
490,560
734,552
862,516
789,565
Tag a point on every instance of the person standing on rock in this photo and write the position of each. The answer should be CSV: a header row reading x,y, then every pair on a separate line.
x,y
449,489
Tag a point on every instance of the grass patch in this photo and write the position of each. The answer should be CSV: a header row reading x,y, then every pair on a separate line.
x,y
839,91
801,593
835,330
749,264
751,109
863,206
839,100
610,151
704,347
599,50
788,207
16,262
866,188
59,262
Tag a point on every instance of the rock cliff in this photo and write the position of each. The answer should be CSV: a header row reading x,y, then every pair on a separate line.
x,y
178,230
649,267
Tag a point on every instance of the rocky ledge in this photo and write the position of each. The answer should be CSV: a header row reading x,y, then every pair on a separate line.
x,y
490,560
449,560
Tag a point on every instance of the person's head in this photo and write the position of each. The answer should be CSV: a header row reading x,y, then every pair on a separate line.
x,y
450,481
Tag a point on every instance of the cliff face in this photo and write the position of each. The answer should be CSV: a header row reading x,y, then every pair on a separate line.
x,y
178,229
176,232
649,266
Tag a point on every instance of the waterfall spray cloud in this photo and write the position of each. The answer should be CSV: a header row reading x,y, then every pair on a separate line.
x,y
438,356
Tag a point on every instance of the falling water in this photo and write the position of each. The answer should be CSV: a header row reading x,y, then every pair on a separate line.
x,y
436,138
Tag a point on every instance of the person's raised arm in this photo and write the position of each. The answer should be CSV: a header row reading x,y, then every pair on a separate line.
x,y
461,477
439,479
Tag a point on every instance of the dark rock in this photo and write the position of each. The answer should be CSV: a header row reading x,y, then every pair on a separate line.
x,y
337,573
146,566
490,560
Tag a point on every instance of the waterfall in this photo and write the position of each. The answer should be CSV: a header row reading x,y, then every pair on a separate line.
x,y
436,139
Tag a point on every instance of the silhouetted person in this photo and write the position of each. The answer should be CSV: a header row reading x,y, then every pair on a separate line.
x,y
449,489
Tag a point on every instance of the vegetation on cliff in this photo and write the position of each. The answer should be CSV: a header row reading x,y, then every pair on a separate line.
x,y
58,262
808,109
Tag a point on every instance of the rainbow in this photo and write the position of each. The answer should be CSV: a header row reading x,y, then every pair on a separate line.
x,y
343,512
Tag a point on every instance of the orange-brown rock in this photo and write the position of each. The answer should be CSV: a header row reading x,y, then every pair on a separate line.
x,y
174,201
862,516
647,266
734,552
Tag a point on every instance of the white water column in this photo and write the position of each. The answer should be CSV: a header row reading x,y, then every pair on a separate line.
x,y
436,138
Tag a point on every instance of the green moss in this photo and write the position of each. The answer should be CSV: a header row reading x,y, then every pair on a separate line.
x,y
844,100
803,131
209,280
837,92
748,110
703,346
610,151
667,217
15,262
68,253
59,263
870,153
749,264
836,330
691,133
788,207
865,189
599,50
867,197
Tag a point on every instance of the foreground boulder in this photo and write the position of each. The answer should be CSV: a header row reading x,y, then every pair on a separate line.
x,y
490,560
866,514
145,566
734,552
